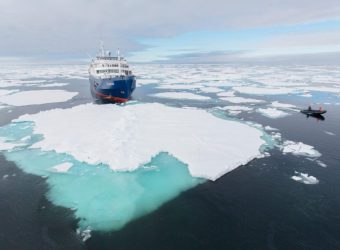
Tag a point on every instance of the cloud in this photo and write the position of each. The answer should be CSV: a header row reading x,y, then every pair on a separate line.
x,y
63,27
205,57
304,39
245,57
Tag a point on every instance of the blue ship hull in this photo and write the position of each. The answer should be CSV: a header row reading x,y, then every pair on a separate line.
x,y
115,89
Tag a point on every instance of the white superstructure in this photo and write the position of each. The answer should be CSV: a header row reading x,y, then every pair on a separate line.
x,y
106,66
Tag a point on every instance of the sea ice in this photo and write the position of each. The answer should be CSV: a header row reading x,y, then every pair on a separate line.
x,y
236,99
269,128
36,97
135,133
235,110
299,148
63,167
210,89
255,90
9,145
56,84
181,95
146,81
4,92
307,95
305,178
179,86
277,104
226,93
272,113
321,164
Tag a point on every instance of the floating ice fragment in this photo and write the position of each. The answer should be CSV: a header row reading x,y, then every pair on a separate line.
x,y
305,178
84,234
299,148
181,95
269,128
210,89
235,110
226,94
236,99
63,168
329,133
37,97
321,164
272,113
277,104
255,90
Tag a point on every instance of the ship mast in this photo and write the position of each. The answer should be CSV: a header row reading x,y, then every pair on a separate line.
x,y
102,51
118,55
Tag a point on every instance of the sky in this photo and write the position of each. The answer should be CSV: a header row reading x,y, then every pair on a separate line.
x,y
172,31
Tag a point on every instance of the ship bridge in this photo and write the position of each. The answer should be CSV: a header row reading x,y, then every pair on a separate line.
x,y
107,66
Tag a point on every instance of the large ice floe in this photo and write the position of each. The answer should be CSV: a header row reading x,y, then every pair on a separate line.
x,y
35,97
112,163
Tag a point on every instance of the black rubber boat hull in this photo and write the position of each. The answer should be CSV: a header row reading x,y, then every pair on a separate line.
x,y
313,112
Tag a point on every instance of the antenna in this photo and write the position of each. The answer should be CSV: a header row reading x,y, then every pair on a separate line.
x,y
102,51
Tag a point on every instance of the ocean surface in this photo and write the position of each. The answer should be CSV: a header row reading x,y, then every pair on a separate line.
x,y
56,193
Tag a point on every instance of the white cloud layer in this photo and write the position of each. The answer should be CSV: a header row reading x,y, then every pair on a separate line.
x,y
75,27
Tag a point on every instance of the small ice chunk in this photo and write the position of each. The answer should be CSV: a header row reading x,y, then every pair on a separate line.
x,y
25,138
277,104
305,178
63,167
329,133
272,113
306,95
269,128
236,108
321,164
85,234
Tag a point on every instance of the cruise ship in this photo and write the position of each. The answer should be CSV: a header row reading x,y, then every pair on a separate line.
x,y
111,79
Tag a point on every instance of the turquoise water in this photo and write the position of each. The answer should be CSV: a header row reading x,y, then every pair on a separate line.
x,y
101,198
